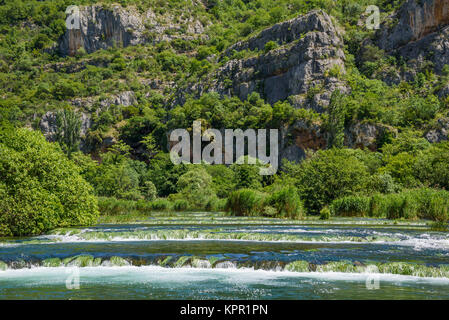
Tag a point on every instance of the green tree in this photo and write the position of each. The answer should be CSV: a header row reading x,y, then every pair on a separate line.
x,y
336,121
40,189
196,186
327,175
68,126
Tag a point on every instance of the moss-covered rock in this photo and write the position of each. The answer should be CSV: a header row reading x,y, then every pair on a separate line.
x,y
201,263
182,262
118,261
80,261
52,262
3,266
298,266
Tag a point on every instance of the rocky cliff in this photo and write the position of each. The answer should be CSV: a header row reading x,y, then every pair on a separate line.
x,y
309,48
104,26
419,32
415,20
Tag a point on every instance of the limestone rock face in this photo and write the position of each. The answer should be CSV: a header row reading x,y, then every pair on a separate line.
x,y
441,133
420,35
48,126
415,20
366,135
300,137
105,26
309,47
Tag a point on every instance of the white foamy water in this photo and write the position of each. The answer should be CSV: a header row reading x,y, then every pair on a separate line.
x,y
40,275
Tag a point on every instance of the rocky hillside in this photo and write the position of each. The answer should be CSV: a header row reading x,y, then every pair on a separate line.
x,y
419,32
140,69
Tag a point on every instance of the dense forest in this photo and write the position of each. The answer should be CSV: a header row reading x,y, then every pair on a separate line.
x,y
86,133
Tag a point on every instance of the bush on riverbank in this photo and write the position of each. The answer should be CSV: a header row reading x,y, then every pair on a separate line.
x,y
113,206
423,203
245,202
40,188
282,203
350,206
287,203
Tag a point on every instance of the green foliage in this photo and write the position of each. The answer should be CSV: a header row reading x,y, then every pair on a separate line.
x,y
164,174
40,188
327,175
412,204
246,176
383,183
270,45
68,125
336,120
195,186
180,205
283,202
149,190
432,166
325,213
161,205
245,202
350,206
287,203
223,179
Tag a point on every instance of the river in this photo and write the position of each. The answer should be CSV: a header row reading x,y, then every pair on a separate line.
x,y
210,256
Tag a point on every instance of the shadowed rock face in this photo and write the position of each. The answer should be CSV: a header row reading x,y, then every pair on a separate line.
x,y
102,28
416,19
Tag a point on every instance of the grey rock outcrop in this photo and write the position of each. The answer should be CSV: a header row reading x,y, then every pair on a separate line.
x,y
103,26
441,133
366,135
48,126
310,47
415,20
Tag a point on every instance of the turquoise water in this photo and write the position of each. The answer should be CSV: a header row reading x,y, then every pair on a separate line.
x,y
193,260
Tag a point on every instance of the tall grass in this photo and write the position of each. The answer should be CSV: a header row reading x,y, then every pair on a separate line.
x,y
282,203
114,207
351,206
245,202
423,203
287,203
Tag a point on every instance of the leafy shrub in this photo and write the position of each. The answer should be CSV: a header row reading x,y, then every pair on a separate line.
x,y
287,203
327,175
325,213
245,202
149,191
180,205
270,45
161,204
40,189
195,186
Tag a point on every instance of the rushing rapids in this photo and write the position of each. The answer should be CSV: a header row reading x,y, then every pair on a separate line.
x,y
278,260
